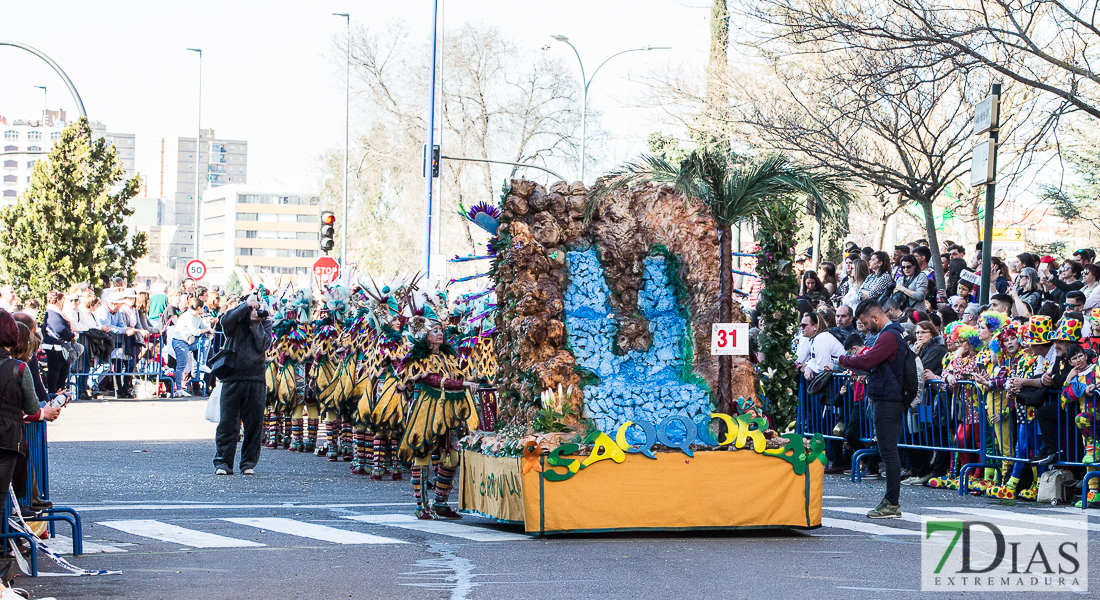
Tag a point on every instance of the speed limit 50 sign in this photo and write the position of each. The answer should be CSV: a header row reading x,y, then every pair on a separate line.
x,y
729,339
196,269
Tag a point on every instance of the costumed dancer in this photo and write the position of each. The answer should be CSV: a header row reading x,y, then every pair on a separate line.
x,y
386,410
1017,364
331,380
991,361
963,364
360,334
442,412
293,342
1093,339
475,346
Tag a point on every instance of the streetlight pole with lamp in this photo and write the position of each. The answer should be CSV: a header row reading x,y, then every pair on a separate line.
x,y
587,82
198,150
347,144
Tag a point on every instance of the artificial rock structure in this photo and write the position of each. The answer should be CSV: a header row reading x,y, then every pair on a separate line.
x,y
619,308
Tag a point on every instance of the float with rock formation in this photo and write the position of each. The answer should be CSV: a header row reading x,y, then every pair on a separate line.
x,y
607,417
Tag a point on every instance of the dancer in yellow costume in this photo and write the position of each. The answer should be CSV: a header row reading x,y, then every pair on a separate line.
x,y
386,412
442,412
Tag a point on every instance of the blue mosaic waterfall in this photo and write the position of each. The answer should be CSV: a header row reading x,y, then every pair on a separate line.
x,y
637,385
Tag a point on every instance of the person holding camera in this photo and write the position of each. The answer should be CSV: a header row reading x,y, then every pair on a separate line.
x,y
243,397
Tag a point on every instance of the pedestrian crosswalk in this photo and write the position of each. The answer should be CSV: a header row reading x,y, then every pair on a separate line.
x,y
477,534
207,533
314,531
853,519
395,529
166,532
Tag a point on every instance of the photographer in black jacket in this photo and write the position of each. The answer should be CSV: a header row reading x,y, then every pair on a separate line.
x,y
248,335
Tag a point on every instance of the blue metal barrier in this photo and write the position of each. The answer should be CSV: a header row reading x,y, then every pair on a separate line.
x,y
931,425
128,359
8,534
38,467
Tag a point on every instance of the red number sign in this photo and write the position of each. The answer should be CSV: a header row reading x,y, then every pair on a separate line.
x,y
729,339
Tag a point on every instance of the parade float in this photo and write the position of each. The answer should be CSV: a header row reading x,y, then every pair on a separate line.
x,y
606,417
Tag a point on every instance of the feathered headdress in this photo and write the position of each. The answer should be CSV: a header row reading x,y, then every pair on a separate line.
x,y
485,216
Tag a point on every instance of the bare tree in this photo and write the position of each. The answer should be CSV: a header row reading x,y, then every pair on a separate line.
x,y
888,119
1048,45
497,102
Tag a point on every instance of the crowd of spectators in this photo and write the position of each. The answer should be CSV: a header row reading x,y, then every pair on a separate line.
x,y
113,340
1000,347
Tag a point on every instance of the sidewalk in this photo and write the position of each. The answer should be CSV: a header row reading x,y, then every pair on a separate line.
x,y
148,420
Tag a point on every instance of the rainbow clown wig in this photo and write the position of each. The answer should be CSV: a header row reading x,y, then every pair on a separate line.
x,y
966,333
996,323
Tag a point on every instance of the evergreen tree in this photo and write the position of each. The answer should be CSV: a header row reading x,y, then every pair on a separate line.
x,y
233,285
70,224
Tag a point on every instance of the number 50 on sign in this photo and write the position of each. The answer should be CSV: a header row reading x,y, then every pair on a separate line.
x,y
729,339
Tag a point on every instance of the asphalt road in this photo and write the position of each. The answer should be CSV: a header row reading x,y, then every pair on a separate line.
x,y
306,528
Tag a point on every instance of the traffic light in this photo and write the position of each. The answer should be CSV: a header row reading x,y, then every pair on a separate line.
x,y
328,230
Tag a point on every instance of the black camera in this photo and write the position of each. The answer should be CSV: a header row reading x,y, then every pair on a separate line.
x,y
263,314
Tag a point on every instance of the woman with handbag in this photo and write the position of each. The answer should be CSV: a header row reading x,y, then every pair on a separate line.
x,y
240,368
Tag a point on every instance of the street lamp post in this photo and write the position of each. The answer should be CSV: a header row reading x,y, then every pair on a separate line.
x,y
347,144
45,103
588,82
198,150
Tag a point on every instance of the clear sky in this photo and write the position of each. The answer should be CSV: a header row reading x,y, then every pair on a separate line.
x,y
269,73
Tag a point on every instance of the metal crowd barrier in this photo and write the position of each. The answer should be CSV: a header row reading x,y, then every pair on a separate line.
x,y
148,363
38,471
933,425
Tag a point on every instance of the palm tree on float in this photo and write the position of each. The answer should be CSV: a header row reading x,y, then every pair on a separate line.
x,y
733,189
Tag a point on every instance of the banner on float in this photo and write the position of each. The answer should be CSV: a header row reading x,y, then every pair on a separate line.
x,y
492,486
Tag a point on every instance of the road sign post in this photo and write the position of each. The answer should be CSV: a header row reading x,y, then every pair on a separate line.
x,y
983,170
196,269
326,270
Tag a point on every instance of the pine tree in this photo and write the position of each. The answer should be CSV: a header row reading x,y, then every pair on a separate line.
x,y
233,285
70,224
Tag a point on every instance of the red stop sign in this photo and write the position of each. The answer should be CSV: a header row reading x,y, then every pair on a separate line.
x,y
326,269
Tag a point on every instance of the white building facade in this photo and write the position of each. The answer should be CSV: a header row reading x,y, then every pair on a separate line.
x,y
271,230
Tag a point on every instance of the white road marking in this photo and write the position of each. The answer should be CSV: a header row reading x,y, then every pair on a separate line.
x,y
913,518
177,535
64,545
314,531
468,532
1020,516
862,527
150,506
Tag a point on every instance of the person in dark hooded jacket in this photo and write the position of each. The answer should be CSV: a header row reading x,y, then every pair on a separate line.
x,y
248,334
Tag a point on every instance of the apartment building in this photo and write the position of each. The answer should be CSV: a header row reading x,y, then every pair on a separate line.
x,y
220,162
26,142
273,230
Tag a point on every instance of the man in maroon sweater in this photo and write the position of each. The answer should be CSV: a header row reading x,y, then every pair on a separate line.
x,y
885,364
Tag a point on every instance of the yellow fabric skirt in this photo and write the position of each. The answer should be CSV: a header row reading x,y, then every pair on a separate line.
x,y
433,414
387,415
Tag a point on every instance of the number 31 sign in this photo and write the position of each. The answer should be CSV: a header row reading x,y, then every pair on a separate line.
x,y
729,339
